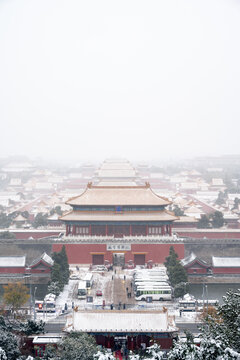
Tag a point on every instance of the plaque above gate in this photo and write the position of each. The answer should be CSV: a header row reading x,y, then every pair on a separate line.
x,y
119,247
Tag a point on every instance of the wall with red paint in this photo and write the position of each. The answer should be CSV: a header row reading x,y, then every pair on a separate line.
x,y
209,235
82,253
224,270
24,235
196,271
12,270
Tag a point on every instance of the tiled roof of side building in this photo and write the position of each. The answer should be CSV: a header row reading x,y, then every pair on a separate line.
x,y
122,195
127,322
225,261
12,261
45,257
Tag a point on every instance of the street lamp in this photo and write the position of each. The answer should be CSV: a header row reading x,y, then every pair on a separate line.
x,y
29,276
34,310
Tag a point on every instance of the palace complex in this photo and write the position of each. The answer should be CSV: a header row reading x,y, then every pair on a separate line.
x,y
119,225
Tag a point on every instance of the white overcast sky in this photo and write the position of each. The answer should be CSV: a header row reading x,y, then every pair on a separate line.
x,y
137,79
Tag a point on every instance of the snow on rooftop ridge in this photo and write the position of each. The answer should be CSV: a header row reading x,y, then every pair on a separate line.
x,y
47,258
188,259
225,261
12,261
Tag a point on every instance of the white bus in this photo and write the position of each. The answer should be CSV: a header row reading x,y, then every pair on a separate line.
x,y
150,284
191,304
161,293
150,279
82,291
89,280
46,305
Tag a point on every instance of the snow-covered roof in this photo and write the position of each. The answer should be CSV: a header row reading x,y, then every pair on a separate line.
x,y
45,257
188,259
19,218
12,261
217,182
225,261
47,339
136,321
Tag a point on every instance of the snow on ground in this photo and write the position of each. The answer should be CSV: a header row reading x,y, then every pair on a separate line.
x,y
104,281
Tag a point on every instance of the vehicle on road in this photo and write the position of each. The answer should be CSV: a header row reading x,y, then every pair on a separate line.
x,y
46,305
82,291
74,277
88,278
159,294
99,293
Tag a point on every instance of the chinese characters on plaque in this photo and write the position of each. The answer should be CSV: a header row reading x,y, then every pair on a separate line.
x,y
123,247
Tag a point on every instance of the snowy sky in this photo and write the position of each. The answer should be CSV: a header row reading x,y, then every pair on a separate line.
x,y
136,79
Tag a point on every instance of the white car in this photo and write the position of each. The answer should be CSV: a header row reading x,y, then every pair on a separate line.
x,y
74,277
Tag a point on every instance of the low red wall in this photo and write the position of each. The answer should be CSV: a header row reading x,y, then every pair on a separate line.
x,y
209,235
82,253
225,270
24,235
196,271
12,270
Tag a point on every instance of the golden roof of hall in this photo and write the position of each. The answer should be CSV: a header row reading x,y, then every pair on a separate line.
x,y
162,215
118,196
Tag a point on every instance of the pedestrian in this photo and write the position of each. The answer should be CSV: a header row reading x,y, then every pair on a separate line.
x,y
127,289
124,277
112,277
131,284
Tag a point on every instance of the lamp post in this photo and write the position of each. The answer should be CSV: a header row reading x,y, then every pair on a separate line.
x,y
34,310
205,295
29,276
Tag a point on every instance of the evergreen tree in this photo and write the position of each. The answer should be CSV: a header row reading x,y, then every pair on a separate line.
x,y
171,260
227,328
217,219
221,198
177,211
40,220
65,265
77,346
236,203
177,273
60,269
204,222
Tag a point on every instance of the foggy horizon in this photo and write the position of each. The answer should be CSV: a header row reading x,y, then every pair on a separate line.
x,y
89,81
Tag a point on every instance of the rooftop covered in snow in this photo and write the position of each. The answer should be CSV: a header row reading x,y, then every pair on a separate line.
x,y
127,322
12,261
225,261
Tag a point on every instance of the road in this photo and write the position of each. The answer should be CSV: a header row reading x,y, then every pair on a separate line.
x,y
192,327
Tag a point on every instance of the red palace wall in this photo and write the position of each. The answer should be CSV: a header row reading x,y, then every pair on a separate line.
x,y
196,271
43,271
82,253
12,270
225,270
209,235
24,235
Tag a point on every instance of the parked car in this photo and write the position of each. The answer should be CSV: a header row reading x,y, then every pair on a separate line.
x,y
74,277
99,268
99,293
